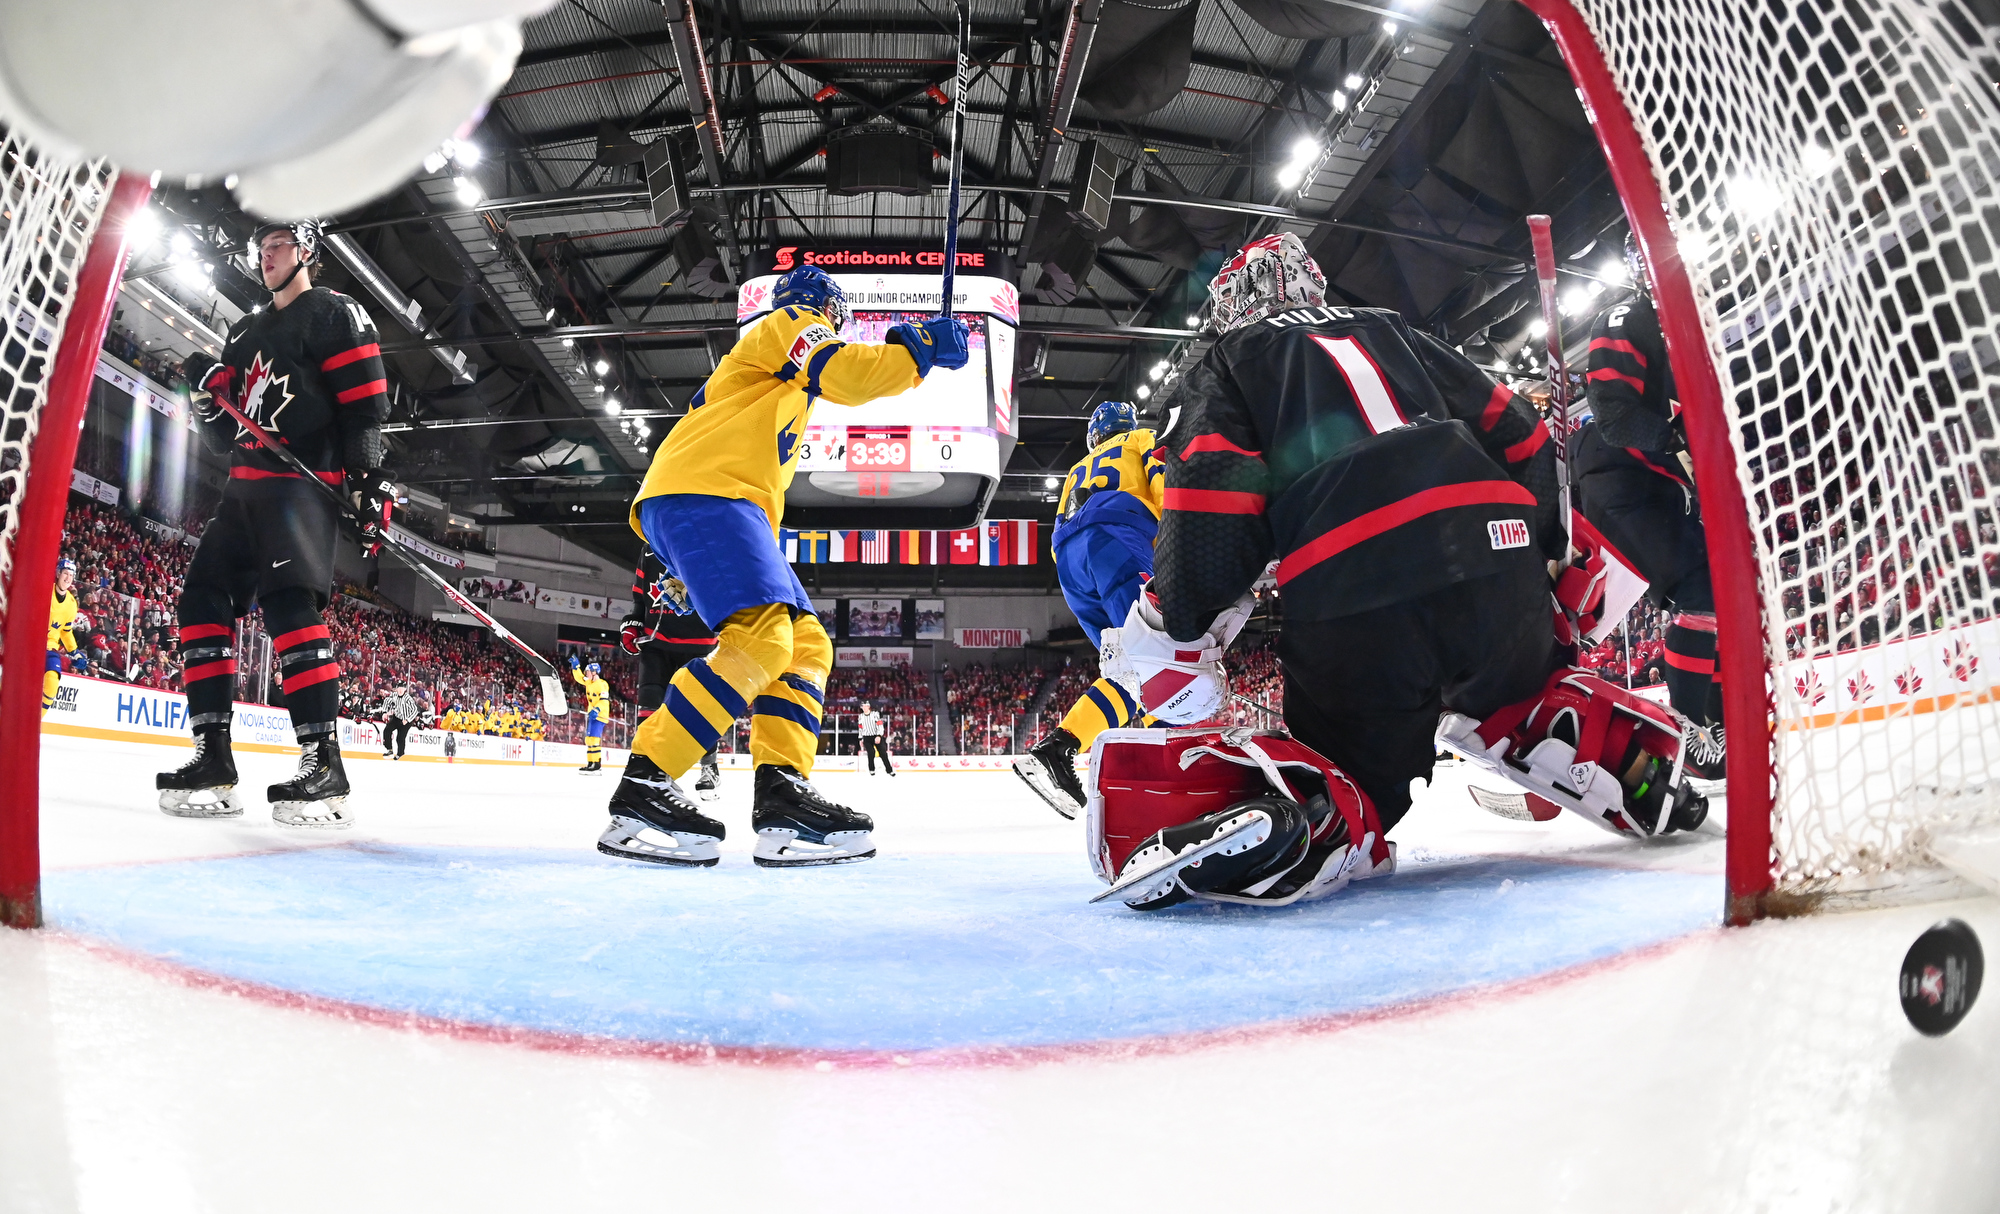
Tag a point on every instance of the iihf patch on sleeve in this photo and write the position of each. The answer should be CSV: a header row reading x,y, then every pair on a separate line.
x,y
1508,533
803,344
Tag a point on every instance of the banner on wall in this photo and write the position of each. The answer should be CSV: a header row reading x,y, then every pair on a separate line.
x,y
930,620
570,603
498,589
873,656
994,638
91,487
428,551
141,389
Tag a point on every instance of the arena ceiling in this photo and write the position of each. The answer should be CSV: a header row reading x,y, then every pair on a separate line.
x,y
1403,141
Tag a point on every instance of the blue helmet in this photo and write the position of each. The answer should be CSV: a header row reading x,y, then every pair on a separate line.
x,y
592,666
1112,418
65,565
812,287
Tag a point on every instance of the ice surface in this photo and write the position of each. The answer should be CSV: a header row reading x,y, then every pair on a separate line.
x,y
1761,1069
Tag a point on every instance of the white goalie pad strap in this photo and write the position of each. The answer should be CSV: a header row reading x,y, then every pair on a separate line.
x,y
1614,583
1552,773
1339,866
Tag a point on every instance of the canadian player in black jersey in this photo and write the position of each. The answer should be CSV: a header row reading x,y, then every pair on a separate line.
x,y
1408,508
665,641
1634,485
308,369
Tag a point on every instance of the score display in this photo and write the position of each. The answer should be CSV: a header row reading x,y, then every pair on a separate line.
x,y
930,457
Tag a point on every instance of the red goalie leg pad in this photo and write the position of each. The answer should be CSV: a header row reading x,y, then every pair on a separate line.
x,y
1144,781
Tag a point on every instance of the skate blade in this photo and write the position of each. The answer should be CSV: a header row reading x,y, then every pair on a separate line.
x,y
330,814
624,838
176,803
1237,834
1030,772
781,847
711,793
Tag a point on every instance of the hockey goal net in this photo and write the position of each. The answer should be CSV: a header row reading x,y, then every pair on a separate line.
x,y
59,267
1814,182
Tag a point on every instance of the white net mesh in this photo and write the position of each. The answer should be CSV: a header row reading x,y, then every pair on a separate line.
x,y
1830,171
49,210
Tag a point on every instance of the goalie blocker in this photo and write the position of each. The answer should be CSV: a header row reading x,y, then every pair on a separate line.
x,y
1229,815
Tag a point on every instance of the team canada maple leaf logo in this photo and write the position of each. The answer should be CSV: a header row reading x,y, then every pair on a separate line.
x,y
1962,662
1908,681
1810,689
264,395
1859,689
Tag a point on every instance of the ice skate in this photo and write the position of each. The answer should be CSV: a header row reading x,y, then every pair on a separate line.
x,y
1151,878
708,786
653,820
316,797
205,787
796,826
1049,768
592,766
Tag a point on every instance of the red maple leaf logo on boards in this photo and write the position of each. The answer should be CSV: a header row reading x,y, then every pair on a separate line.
x,y
1859,689
1908,681
1962,661
1810,689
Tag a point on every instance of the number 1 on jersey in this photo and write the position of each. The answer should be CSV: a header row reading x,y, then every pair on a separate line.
x,y
1364,379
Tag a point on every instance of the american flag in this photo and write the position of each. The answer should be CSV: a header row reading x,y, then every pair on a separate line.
x,y
875,547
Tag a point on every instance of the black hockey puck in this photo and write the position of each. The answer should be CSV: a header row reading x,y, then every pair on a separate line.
x,y
1941,975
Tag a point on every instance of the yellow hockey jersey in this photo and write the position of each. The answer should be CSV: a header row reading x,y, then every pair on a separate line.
x,y
596,694
62,622
740,438
1123,464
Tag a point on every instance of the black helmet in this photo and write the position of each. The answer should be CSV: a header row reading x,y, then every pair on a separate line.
x,y
1635,263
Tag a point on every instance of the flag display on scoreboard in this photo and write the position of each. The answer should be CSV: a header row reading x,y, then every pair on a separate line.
x,y
1002,542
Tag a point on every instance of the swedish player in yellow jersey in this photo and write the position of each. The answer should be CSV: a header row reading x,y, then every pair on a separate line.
x,y
62,630
1103,544
596,710
709,509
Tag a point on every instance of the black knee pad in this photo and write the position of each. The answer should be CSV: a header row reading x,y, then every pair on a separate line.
x,y
204,605
289,610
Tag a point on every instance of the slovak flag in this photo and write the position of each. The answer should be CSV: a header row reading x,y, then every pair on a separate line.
x,y
995,550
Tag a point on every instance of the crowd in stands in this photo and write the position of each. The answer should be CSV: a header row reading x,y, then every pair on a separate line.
x,y
900,694
986,702
1635,655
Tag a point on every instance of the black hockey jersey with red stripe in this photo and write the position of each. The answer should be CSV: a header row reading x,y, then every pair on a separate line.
x,y
649,607
311,373
1630,383
1376,463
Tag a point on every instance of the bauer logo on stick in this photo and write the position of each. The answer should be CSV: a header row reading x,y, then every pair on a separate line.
x,y
1508,533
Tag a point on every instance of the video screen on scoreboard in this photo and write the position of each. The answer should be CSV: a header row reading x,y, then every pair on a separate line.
x,y
945,398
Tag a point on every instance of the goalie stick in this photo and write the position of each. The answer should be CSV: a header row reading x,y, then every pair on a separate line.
x,y
1559,388
553,698
957,155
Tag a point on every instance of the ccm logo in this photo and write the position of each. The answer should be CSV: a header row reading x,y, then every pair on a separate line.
x,y
1508,533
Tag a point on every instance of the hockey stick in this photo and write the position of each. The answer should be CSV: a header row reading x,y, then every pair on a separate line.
x,y
1545,272
553,698
957,155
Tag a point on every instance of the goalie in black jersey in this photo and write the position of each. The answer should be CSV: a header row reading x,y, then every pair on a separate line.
x,y
1408,507
664,641
307,369
1633,481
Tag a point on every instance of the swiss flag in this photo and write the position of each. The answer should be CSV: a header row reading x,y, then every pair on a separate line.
x,y
965,546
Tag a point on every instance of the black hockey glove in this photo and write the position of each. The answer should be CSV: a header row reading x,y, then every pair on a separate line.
x,y
206,377
372,495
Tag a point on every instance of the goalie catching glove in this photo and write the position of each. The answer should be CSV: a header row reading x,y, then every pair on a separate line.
x,y
1180,682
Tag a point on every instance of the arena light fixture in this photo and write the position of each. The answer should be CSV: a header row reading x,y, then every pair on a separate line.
x,y
1353,81
1338,100
468,191
1537,328
466,153
1144,392
144,228
601,367
612,406
1050,482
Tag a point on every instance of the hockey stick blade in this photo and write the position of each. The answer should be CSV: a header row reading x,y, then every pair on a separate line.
x,y
1255,820
553,697
1515,806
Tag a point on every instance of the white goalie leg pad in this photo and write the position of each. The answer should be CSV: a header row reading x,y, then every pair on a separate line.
x,y
637,839
201,802
1552,778
1179,682
330,814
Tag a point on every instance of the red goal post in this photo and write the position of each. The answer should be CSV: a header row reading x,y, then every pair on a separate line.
x,y
1813,183
62,252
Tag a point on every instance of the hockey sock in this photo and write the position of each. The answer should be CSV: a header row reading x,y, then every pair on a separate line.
x,y
305,656
707,695
593,749
784,721
1690,670
1103,705
51,683
208,672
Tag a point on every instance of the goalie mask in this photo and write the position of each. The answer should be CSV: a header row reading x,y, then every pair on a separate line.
x,y
1271,274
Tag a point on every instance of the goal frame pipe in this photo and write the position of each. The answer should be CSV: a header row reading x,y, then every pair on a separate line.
x,y
1732,558
37,544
